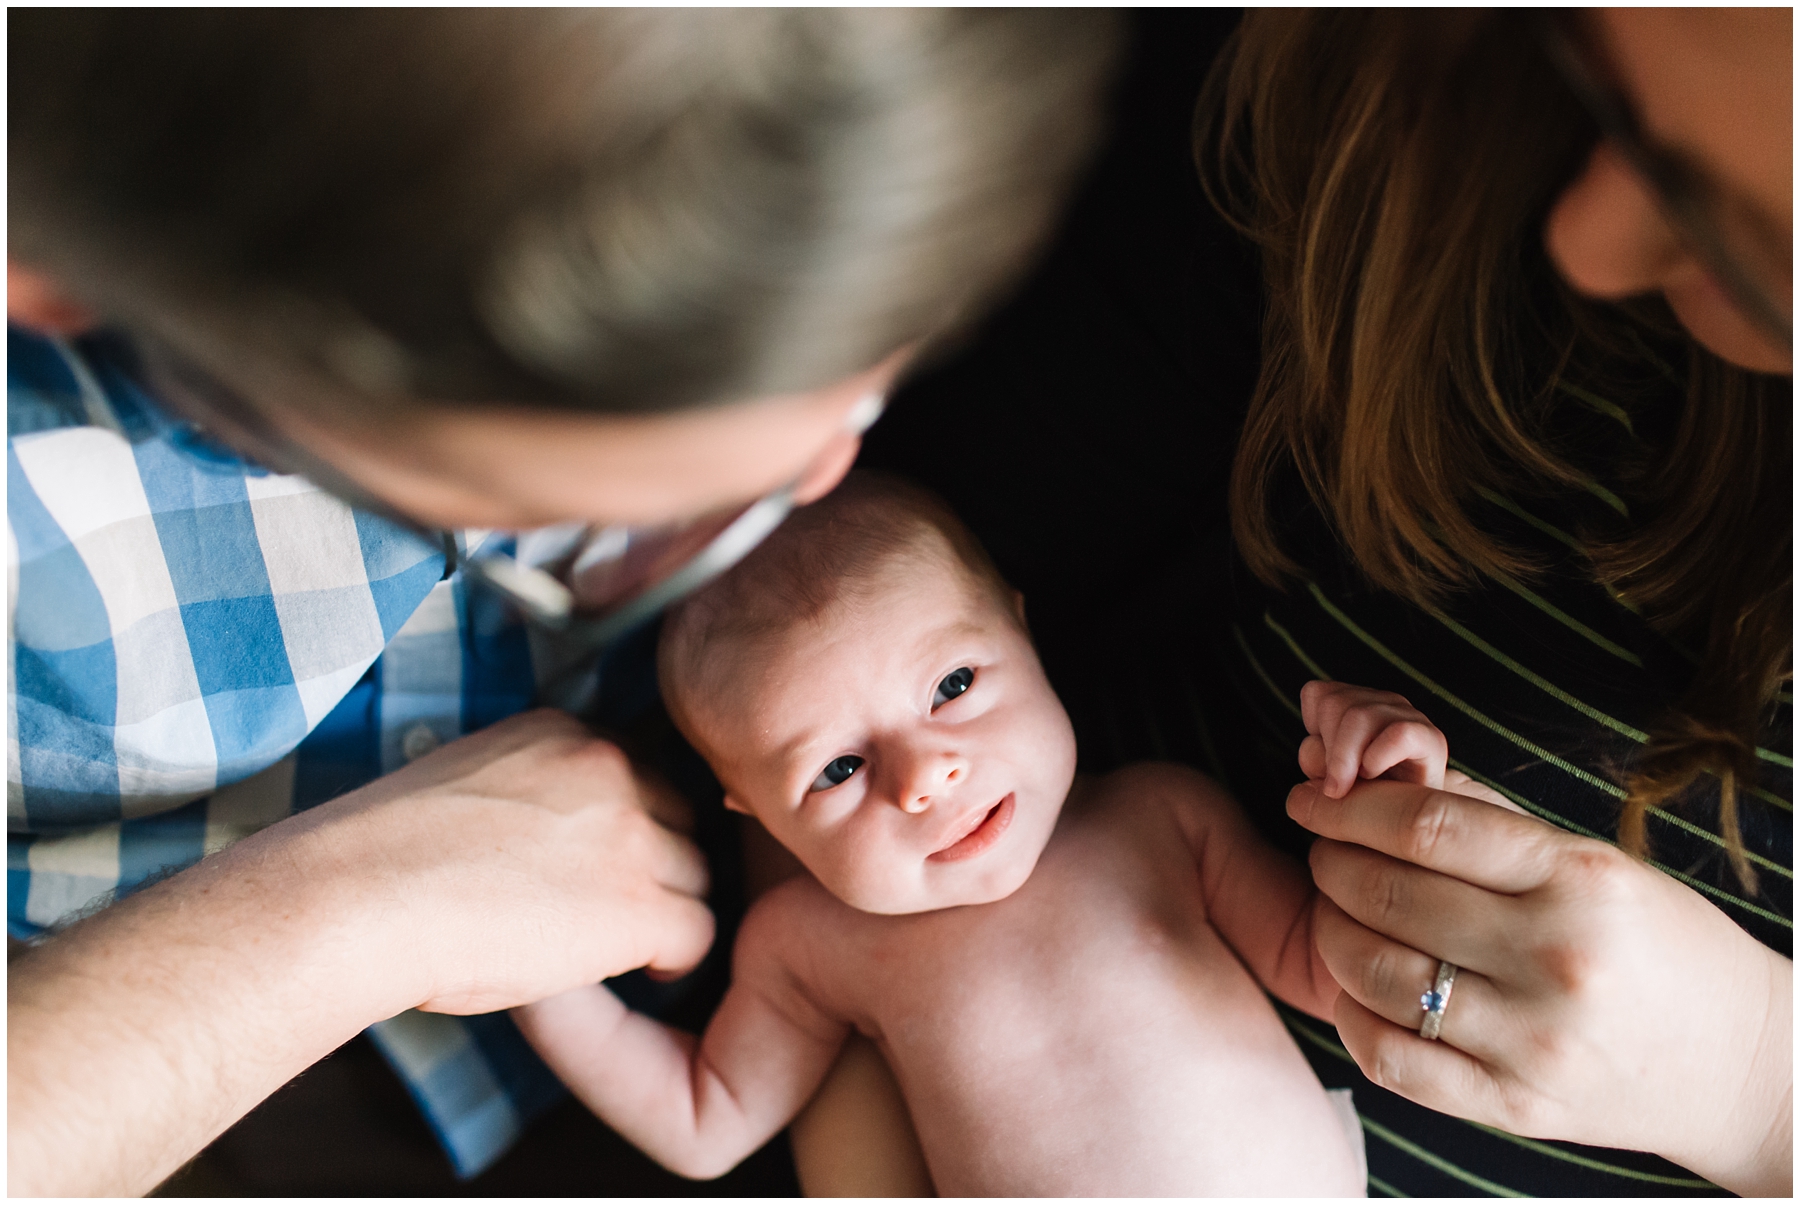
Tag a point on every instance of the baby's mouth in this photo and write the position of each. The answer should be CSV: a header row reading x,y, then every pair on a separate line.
x,y
983,830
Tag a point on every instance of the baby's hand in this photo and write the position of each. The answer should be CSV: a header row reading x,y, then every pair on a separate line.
x,y
1360,733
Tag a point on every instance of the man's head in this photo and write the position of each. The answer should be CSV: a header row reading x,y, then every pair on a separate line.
x,y
864,685
410,238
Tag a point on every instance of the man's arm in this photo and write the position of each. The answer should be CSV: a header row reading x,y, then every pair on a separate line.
x,y
137,1037
500,869
697,1106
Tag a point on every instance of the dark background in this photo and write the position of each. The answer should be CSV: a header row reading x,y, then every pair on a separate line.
x,y
1084,433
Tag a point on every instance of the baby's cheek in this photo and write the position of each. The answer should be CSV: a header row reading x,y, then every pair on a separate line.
x,y
1055,752
862,867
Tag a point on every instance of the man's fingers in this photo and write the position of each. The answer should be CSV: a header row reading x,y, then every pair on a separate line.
x,y
678,865
1388,979
683,935
1440,916
1434,1074
1465,838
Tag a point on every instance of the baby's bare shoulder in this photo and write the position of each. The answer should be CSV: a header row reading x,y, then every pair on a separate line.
x,y
799,938
790,913
1151,798
1158,784
801,928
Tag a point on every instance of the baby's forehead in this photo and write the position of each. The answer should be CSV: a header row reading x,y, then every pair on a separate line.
x,y
904,598
864,638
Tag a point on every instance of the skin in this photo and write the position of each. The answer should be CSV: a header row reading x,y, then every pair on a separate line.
x,y
514,468
136,1037
1546,1037
1715,86
863,681
1546,1033
520,469
503,867
1132,949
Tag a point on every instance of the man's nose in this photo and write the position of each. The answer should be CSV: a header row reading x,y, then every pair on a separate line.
x,y
928,777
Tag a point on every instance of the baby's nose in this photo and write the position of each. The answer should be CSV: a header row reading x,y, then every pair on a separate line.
x,y
935,774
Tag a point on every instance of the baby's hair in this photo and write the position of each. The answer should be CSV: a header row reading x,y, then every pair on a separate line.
x,y
823,553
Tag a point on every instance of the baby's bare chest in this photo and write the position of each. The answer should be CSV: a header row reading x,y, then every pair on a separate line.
x,y
1067,1035
1103,947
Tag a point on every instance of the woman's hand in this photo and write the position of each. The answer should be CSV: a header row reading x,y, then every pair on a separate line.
x,y
1597,1001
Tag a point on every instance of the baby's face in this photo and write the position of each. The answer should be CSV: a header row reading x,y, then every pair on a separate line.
x,y
906,746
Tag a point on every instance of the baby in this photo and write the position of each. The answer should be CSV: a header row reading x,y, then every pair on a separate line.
x,y
1066,975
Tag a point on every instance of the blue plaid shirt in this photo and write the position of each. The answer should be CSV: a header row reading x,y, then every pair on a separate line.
x,y
198,648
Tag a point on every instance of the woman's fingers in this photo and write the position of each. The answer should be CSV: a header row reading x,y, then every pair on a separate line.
x,y
1465,838
1438,915
1462,784
1388,979
1437,1074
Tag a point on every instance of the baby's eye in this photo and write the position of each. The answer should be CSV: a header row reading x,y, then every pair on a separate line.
x,y
836,772
952,685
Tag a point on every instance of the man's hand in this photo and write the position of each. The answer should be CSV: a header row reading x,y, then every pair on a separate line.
x,y
532,858
508,866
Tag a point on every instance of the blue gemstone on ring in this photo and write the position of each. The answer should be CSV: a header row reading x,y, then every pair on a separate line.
x,y
1432,1002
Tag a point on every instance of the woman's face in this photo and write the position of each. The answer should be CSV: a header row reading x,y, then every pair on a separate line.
x,y
1715,87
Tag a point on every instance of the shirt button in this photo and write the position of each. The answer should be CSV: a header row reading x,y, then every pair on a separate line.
x,y
418,741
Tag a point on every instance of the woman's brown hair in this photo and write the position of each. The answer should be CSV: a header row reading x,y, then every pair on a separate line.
x,y
1396,167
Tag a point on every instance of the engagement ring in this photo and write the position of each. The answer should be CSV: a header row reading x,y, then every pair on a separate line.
x,y
1436,1001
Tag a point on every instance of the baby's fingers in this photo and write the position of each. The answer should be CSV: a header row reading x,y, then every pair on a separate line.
x,y
1312,757
1407,751
1344,748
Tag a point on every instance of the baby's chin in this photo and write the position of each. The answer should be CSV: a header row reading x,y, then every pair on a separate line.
x,y
960,890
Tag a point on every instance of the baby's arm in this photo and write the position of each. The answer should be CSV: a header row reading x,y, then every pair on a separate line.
x,y
698,1107
1259,900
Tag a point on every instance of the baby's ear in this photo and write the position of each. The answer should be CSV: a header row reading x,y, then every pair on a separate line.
x,y
1018,601
734,804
